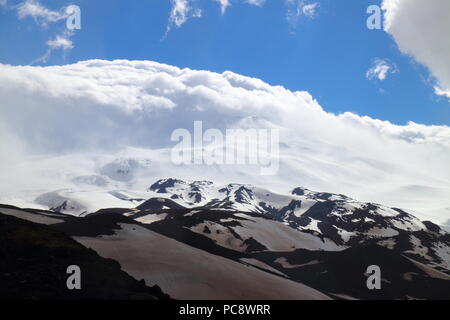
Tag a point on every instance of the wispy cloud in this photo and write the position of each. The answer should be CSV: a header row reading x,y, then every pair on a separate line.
x,y
41,14
298,8
181,11
309,10
61,42
224,4
381,69
44,17
258,3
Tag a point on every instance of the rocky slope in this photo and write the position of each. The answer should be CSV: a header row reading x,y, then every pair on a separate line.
x,y
198,240
34,261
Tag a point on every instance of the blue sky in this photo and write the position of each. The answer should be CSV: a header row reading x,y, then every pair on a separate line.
x,y
327,54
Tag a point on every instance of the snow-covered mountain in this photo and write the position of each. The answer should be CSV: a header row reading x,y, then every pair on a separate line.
x,y
336,221
197,240
300,219
320,239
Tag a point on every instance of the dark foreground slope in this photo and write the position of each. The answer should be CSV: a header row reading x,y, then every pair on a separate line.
x,y
340,273
183,271
344,274
34,260
206,253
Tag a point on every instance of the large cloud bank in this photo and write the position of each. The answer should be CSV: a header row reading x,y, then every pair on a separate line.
x,y
57,122
421,29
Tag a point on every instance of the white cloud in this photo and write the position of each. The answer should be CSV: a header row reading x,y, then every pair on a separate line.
x,y
60,42
35,10
44,16
297,8
258,3
179,12
421,29
59,118
309,10
380,70
182,11
224,4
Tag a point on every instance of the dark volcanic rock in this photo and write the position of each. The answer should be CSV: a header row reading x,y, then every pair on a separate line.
x,y
345,272
159,204
34,261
